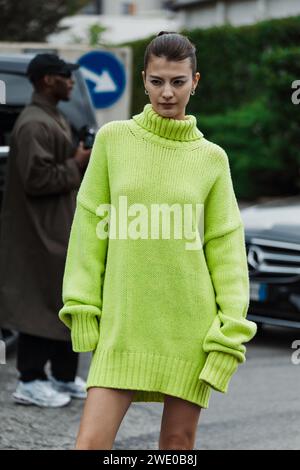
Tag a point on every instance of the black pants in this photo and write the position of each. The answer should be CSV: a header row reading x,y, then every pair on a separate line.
x,y
33,352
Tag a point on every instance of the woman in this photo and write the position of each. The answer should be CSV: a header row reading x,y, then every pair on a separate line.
x,y
163,313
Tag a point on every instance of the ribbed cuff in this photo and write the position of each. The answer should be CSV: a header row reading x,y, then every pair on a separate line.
x,y
84,332
218,370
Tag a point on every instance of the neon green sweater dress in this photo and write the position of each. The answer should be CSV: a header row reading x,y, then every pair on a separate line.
x,y
161,313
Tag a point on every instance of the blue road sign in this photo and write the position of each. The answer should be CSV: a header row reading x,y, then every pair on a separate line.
x,y
105,77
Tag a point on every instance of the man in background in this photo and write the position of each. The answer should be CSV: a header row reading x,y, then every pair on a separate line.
x,y
43,175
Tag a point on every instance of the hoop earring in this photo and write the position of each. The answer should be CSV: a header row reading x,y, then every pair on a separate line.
x,y
193,91
146,92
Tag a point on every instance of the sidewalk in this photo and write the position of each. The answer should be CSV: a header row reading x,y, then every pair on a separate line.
x,y
31,427
262,402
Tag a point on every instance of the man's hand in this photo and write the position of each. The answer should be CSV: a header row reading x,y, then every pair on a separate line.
x,y
82,156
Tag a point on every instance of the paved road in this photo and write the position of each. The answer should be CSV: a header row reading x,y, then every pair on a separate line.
x,y
260,411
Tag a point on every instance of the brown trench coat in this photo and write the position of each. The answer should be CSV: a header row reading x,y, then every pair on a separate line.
x,y
37,213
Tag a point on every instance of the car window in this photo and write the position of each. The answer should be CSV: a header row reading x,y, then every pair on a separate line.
x,y
78,110
18,89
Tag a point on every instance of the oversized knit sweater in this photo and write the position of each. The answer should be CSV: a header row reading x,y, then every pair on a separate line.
x,y
160,317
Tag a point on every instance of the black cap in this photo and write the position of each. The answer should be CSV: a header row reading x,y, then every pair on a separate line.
x,y
43,64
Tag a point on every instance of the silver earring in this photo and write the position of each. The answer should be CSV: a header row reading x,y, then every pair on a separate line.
x,y
146,92
193,91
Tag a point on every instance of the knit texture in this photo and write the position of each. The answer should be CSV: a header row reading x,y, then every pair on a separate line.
x,y
159,318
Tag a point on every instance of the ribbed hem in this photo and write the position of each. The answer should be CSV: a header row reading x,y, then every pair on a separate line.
x,y
84,332
151,375
218,369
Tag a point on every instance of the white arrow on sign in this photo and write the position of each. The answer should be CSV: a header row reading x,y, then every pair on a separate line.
x,y
103,82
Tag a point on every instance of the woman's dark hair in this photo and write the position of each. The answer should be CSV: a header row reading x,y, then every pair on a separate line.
x,y
173,46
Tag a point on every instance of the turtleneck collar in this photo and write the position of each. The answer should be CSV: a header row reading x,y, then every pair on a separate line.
x,y
183,130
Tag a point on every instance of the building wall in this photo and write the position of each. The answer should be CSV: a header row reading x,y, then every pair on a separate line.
x,y
117,7
236,12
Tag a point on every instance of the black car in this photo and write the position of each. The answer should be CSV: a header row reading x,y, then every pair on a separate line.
x,y
78,111
272,231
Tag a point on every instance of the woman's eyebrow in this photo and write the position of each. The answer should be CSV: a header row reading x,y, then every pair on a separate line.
x,y
156,76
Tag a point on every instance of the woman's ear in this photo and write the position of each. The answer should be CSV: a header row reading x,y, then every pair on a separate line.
x,y
196,79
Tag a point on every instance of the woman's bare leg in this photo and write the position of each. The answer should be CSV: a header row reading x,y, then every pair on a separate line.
x,y
179,424
103,412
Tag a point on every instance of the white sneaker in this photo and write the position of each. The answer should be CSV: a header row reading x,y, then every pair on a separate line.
x,y
40,393
74,389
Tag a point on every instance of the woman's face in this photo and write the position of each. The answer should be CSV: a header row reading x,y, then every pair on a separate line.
x,y
169,84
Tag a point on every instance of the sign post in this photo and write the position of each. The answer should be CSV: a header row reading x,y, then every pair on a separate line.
x,y
105,77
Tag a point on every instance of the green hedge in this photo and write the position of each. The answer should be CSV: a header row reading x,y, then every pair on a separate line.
x,y
243,101
227,57
262,137
241,134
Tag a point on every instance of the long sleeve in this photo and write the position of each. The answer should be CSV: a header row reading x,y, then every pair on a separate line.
x,y
39,171
86,255
225,253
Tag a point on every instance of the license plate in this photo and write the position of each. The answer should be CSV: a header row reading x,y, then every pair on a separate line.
x,y
258,291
